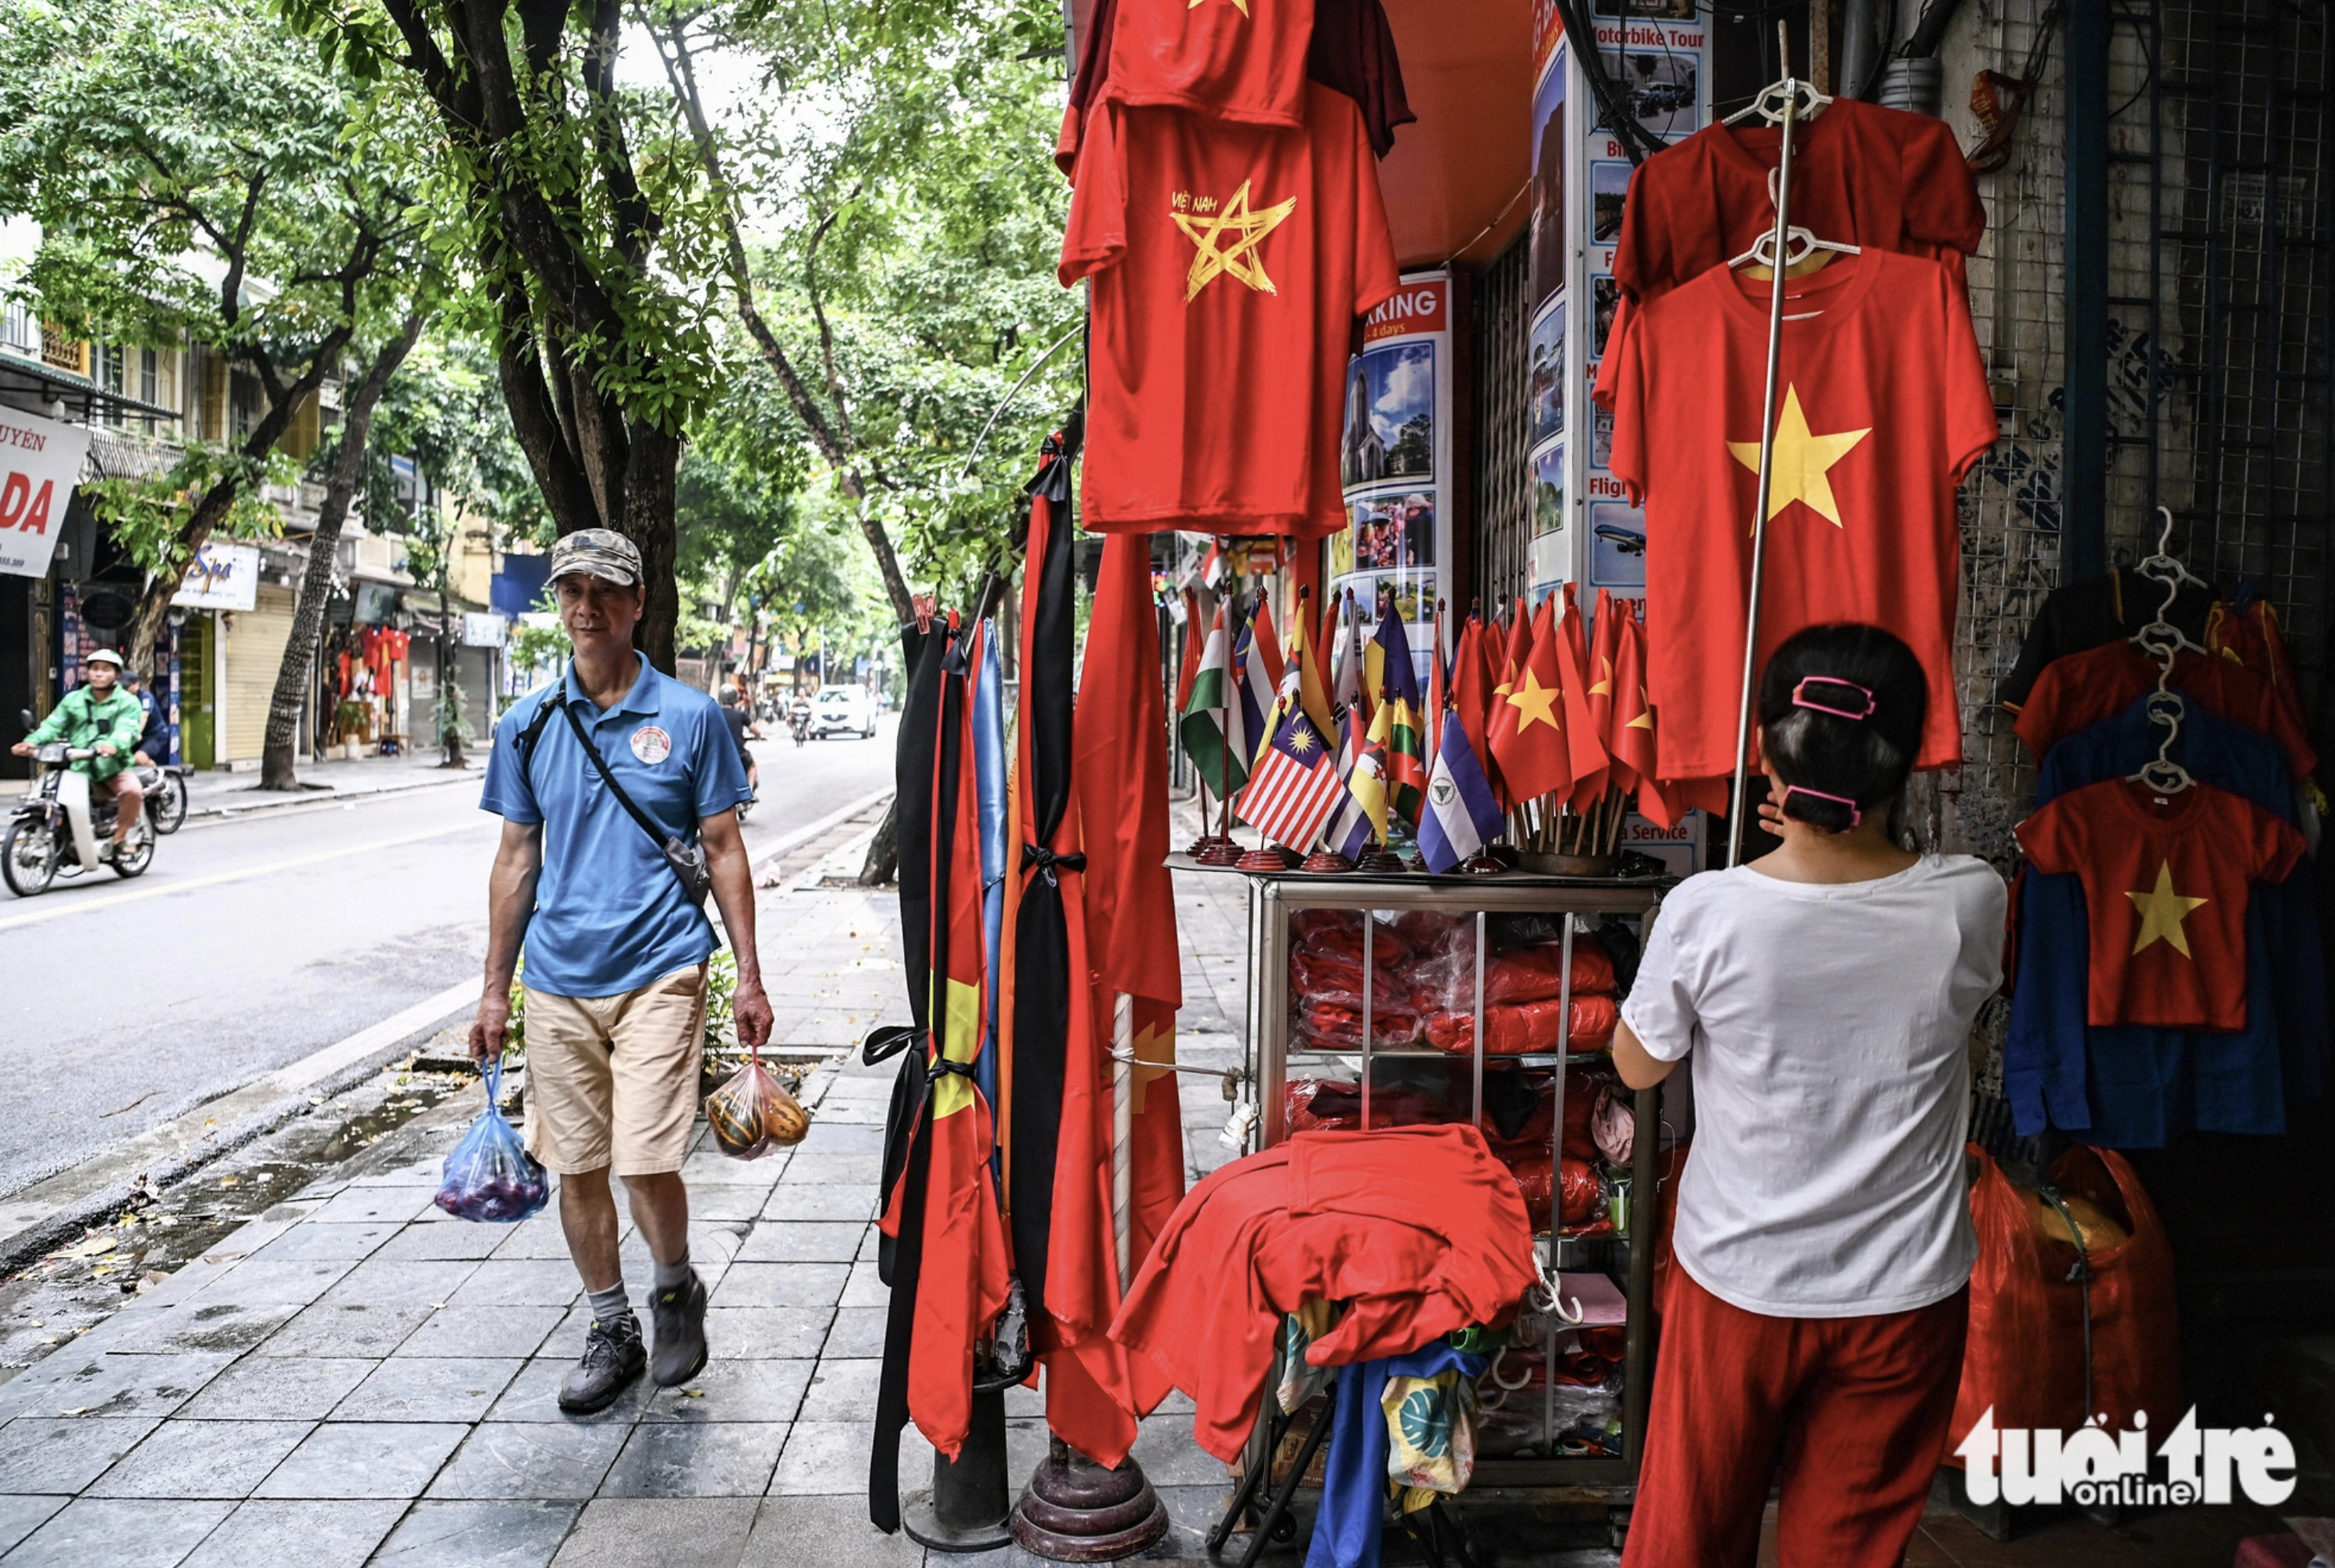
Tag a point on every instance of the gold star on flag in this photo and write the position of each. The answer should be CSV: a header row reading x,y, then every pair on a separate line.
x,y
1239,259
1603,685
2162,911
1646,719
1804,460
1239,6
1536,703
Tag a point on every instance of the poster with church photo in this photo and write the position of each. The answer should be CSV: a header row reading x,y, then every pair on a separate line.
x,y
1394,455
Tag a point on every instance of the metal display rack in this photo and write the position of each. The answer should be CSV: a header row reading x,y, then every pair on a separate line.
x,y
1627,1254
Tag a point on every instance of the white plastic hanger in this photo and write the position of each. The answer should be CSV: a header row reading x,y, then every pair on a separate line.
x,y
1806,102
2163,641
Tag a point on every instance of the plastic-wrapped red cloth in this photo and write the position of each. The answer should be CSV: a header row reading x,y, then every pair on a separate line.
x,y
1336,1024
2024,1357
1517,1028
1341,930
1585,1195
1332,1105
1533,973
1327,971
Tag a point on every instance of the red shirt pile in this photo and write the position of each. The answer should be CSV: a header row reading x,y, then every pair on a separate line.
x,y
1418,1230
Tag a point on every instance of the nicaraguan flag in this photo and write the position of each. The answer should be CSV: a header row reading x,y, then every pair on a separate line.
x,y
1461,813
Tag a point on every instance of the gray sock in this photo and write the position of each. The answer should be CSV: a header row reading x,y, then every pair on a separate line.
x,y
608,1305
671,1276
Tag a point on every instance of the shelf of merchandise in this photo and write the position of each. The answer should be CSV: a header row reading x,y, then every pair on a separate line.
x,y
1273,899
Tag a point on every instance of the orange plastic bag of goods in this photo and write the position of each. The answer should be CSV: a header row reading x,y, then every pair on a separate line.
x,y
2025,1355
753,1113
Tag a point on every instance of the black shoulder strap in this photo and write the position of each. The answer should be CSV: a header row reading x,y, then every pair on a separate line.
x,y
527,737
657,835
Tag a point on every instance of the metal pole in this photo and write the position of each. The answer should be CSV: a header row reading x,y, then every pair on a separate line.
x,y
1739,802
1122,1131
2084,537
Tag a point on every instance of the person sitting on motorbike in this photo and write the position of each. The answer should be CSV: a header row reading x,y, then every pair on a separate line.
x,y
153,741
102,716
741,728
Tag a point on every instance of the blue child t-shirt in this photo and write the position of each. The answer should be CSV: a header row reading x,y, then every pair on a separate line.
x,y
610,916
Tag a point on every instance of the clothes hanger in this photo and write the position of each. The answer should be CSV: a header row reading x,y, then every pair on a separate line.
x,y
1806,103
2166,567
1800,243
2163,641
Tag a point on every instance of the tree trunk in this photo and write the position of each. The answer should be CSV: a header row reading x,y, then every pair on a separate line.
x,y
448,716
277,769
882,866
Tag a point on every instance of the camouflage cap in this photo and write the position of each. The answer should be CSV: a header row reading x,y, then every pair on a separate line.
x,y
597,553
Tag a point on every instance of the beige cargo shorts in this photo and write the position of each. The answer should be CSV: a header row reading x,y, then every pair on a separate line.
x,y
612,1080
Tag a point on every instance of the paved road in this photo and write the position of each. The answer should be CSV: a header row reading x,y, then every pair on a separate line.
x,y
251,944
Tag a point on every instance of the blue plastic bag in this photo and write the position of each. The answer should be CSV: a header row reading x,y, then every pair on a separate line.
x,y
490,1174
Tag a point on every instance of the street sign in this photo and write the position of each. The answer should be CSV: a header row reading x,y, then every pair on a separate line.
x,y
221,576
40,460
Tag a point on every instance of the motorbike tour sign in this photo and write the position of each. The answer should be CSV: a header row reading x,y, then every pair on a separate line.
x,y
40,460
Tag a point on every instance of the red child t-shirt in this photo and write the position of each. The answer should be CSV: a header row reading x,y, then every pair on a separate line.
x,y
1242,61
1861,174
1882,407
1225,266
2166,882
2076,690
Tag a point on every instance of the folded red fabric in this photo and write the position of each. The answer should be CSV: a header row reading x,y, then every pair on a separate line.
x,y
1517,1028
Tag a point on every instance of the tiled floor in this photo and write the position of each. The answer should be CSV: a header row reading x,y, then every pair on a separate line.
x,y
353,1377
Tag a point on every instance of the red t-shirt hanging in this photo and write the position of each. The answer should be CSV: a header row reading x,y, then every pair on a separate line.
x,y
2164,890
1883,408
2081,688
1242,61
1225,266
1861,174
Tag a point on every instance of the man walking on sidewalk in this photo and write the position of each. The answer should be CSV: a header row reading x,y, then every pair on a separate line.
x,y
582,773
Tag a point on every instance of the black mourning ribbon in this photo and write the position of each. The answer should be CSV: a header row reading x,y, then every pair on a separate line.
x,y
1043,860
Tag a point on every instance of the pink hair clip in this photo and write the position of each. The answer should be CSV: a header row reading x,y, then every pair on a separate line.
x,y
1855,815
1800,698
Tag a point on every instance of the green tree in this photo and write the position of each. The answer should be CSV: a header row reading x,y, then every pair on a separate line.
x,y
193,169
591,239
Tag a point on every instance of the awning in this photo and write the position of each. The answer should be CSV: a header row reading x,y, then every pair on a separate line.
x,y
37,378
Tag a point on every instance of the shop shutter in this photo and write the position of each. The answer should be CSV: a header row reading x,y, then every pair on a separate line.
x,y
255,648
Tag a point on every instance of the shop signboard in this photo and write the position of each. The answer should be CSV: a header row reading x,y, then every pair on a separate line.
x,y
40,461
221,576
422,681
482,629
1394,460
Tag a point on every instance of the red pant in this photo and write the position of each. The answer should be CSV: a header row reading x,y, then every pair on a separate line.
x,y
1855,1409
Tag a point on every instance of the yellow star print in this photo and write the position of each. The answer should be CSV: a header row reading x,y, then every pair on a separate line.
x,y
1803,461
1604,683
1239,259
2162,911
1646,719
1536,703
1239,6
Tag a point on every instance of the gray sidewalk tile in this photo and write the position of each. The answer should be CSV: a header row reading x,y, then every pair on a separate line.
x,y
364,1459
731,1389
530,1459
337,1534
538,1237
429,1242
20,1516
349,1241
533,1394
710,1168
855,1111
825,1458
491,1534
866,1287
766,1333
725,1201
395,1283
697,1459
120,1533
356,1204
66,1453
333,1329
856,1332
293,1282
515,1331
834,1170
795,1201
430,1389
196,1324
780,1285
803,1241
279,1388
114,1383
842,1388
832,1138
626,1532
832,1532
520,1282
201,1459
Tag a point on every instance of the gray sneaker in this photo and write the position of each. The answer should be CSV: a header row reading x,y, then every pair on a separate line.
x,y
679,1314
613,1358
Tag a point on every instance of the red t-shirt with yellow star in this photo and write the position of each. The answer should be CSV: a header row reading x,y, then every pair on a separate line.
x,y
1882,407
1226,265
2166,882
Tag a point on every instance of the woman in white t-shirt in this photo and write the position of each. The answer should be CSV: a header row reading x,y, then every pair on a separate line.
x,y
1825,995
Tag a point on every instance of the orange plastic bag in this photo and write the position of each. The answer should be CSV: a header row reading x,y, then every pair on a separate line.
x,y
2025,1354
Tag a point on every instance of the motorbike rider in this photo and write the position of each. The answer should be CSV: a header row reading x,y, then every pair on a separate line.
x,y
100,716
153,741
800,715
741,728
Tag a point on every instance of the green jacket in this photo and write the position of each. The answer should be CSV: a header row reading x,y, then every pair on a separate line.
x,y
83,719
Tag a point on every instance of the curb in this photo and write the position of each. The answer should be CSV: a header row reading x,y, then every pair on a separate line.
x,y
326,796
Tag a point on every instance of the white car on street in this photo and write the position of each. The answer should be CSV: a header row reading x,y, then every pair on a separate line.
x,y
843,711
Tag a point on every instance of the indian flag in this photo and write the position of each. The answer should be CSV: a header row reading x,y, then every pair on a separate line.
x,y
1212,725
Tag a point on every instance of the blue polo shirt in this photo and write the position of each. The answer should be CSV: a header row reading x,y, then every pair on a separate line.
x,y
610,916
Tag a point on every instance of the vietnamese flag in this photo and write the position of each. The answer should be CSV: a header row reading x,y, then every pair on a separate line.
x,y
1528,730
1471,699
1584,740
1632,738
1120,769
1605,648
1518,649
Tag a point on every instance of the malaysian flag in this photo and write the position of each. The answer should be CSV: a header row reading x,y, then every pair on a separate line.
x,y
1294,786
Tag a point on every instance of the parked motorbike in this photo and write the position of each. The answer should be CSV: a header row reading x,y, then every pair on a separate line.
x,y
166,795
57,828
